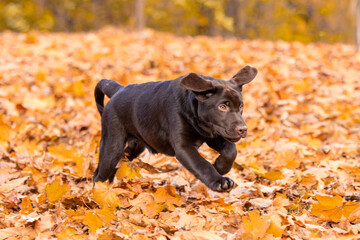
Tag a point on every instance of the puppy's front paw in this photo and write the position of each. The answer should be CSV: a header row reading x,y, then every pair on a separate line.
x,y
223,184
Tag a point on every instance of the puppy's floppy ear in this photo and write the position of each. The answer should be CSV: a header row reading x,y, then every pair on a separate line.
x,y
201,87
196,83
245,75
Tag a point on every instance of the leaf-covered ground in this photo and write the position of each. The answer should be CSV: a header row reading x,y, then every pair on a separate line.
x,y
297,172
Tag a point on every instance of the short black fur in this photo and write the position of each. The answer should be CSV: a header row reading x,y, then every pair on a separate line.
x,y
175,118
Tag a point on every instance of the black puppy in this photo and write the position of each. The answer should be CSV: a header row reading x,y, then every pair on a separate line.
x,y
174,118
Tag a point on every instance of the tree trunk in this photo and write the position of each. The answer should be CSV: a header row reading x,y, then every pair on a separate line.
x,y
357,14
139,14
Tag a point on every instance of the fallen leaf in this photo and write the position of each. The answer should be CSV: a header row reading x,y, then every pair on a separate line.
x,y
26,206
93,221
168,197
70,233
275,227
107,214
255,225
55,191
105,196
128,170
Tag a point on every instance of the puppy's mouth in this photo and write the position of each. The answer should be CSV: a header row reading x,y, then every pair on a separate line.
x,y
231,139
226,135
234,140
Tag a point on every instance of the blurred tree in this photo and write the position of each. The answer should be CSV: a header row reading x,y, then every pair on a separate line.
x,y
357,14
290,20
139,14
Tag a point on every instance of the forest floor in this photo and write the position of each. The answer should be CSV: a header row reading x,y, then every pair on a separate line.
x,y
297,172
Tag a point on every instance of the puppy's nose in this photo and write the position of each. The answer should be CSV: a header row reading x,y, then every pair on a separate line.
x,y
241,130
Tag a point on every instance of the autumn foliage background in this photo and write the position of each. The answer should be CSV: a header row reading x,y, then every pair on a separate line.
x,y
296,173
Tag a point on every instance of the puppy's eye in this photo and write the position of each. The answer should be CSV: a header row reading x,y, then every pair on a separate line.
x,y
209,94
223,107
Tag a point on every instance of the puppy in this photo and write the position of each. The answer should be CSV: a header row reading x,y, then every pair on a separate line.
x,y
175,118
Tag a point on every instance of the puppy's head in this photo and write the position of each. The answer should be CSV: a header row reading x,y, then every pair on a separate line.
x,y
219,102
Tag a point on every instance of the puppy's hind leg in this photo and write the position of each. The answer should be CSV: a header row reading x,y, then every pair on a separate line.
x,y
134,149
113,138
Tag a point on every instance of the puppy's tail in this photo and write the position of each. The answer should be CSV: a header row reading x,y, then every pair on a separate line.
x,y
105,87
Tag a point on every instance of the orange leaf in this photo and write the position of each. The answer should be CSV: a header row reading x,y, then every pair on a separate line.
x,y
107,213
167,196
93,221
127,170
105,196
275,227
255,225
26,206
55,191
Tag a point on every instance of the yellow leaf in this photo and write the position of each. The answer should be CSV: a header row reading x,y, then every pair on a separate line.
x,y
30,147
273,175
167,196
64,154
349,208
77,88
259,170
55,191
329,202
41,75
70,233
26,206
147,204
258,143
255,225
6,134
308,180
93,221
104,195
313,142
152,209
75,215
127,170
303,86
38,104
275,227
281,200
139,237
330,208
105,236
107,213
38,178
286,158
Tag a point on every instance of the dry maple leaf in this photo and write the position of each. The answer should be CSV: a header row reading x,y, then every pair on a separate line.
x,y
94,221
107,214
302,112
105,195
128,170
147,204
6,133
55,191
66,154
75,215
26,206
168,197
275,227
70,233
255,225
331,208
